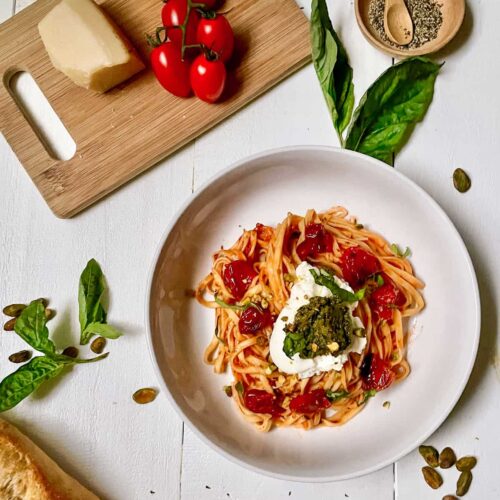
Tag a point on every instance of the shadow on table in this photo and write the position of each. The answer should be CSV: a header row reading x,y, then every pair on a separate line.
x,y
489,326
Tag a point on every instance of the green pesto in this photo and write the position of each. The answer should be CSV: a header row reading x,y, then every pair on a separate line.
x,y
316,325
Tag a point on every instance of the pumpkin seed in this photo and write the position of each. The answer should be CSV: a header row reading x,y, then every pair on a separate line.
x,y
432,477
9,325
228,390
466,463
98,345
71,352
49,313
14,310
461,180
450,497
463,483
20,357
447,458
429,454
145,396
44,302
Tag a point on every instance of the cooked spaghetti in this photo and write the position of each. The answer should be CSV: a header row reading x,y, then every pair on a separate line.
x,y
251,283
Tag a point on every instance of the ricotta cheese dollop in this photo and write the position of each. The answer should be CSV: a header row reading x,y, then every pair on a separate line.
x,y
302,291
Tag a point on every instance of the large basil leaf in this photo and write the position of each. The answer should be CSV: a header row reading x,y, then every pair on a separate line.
x,y
102,329
332,67
323,278
90,291
391,107
31,327
20,384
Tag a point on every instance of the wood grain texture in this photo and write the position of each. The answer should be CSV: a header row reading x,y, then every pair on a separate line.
x,y
125,131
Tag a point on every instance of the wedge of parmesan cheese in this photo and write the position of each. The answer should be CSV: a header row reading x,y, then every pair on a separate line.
x,y
87,46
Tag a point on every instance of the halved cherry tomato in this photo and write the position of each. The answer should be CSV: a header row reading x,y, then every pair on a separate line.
x,y
317,241
310,402
262,402
358,265
238,276
215,33
170,70
376,373
386,298
174,14
208,78
253,320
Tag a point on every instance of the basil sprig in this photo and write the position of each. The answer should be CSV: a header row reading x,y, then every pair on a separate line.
x,y
332,67
31,326
324,278
336,395
390,108
92,313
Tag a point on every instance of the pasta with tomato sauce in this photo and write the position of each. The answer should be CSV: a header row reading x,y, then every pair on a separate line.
x,y
311,317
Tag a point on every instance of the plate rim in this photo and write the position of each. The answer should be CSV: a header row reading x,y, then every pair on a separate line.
x,y
149,337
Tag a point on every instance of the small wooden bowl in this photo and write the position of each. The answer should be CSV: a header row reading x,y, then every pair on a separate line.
x,y
453,15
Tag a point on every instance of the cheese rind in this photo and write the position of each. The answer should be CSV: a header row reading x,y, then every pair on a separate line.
x,y
85,45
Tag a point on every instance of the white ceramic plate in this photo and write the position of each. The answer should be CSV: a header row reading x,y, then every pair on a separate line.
x,y
263,189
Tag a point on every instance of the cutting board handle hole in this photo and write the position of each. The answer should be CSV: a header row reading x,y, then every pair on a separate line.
x,y
43,119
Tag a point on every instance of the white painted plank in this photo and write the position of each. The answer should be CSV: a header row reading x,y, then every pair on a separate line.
x,y
292,113
462,130
6,9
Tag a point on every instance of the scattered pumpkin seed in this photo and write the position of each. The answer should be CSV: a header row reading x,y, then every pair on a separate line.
x,y
447,458
461,180
98,345
463,483
432,477
71,352
14,310
387,404
228,390
20,357
359,226
429,454
261,341
450,497
466,463
9,325
145,396
49,313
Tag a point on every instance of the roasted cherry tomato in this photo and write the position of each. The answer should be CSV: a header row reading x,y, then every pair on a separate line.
x,y
317,241
170,70
358,265
238,276
253,320
262,402
310,402
174,14
385,299
208,78
215,33
376,373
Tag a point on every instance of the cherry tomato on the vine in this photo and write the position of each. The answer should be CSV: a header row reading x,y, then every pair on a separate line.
x,y
170,70
215,33
174,14
208,78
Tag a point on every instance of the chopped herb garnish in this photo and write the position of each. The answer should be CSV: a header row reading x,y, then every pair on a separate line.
x,y
324,278
369,394
397,251
216,333
235,307
335,396
239,388
379,279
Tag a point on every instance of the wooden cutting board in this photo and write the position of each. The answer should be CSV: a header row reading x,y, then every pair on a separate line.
x,y
127,130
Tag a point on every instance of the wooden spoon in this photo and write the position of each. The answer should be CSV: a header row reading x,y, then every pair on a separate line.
x,y
397,22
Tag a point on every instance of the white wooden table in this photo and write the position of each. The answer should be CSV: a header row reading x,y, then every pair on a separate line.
x,y
88,421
